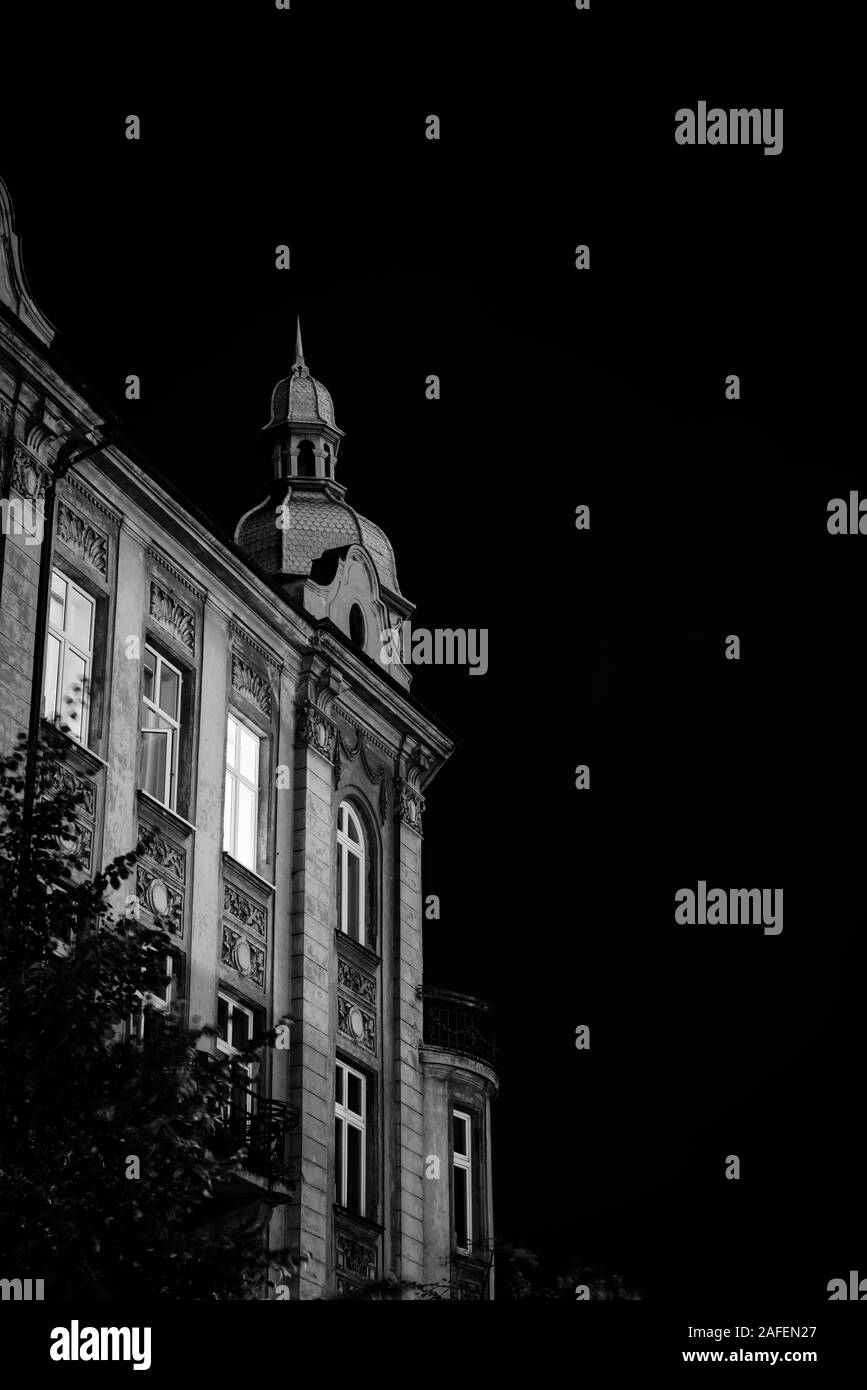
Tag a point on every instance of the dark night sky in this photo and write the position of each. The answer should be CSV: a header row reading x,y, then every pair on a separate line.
x,y
708,518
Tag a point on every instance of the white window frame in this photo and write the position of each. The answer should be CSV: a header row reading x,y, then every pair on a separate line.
x,y
56,715
170,788
347,1118
224,1045
230,792
464,1163
162,1005
345,847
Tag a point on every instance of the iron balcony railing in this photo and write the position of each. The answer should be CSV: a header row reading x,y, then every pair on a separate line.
x,y
253,1122
262,1127
459,1023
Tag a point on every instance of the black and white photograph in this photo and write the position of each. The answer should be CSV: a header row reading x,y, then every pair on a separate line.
x,y
431,670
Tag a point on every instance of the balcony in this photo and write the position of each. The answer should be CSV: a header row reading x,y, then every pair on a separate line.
x,y
262,1127
459,1023
254,1122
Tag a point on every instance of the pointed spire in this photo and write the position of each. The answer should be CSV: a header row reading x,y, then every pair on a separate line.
x,y
299,351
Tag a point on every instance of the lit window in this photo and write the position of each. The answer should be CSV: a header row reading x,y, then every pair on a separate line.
x,y
462,1186
350,1119
350,873
68,655
161,716
240,812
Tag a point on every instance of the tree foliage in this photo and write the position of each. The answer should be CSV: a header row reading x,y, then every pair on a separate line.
x,y
80,1098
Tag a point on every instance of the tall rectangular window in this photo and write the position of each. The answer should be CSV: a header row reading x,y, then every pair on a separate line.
x,y
241,809
351,877
145,1025
235,1026
161,727
68,655
462,1180
350,1127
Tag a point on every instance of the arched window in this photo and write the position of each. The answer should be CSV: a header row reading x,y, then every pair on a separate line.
x,y
306,459
351,874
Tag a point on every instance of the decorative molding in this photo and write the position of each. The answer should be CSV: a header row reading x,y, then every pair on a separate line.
x,y
171,568
162,852
242,955
159,898
354,1257
376,774
360,984
78,844
410,805
83,538
253,686
245,910
340,708
250,641
315,730
74,480
29,476
356,1024
172,616
61,779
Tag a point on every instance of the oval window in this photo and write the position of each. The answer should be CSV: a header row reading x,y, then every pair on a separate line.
x,y
356,625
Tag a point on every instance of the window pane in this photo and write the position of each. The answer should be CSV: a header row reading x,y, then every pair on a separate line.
x,y
74,677
169,690
245,852
231,726
354,1140
353,905
249,751
242,1027
223,1018
461,1136
79,618
461,1206
338,1163
148,674
58,601
164,991
354,1099
228,811
352,830
52,665
154,754
341,819
338,1084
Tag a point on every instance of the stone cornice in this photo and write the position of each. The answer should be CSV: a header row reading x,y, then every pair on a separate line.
x,y
72,480
364,729
244,635
171,568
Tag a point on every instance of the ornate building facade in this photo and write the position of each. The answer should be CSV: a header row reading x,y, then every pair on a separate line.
x,y
233,717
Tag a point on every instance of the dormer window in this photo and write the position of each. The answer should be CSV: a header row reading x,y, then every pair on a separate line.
x,y
357,626
306,459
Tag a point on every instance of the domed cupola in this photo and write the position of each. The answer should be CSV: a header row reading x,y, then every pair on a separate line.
x,y
305,441
336,562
